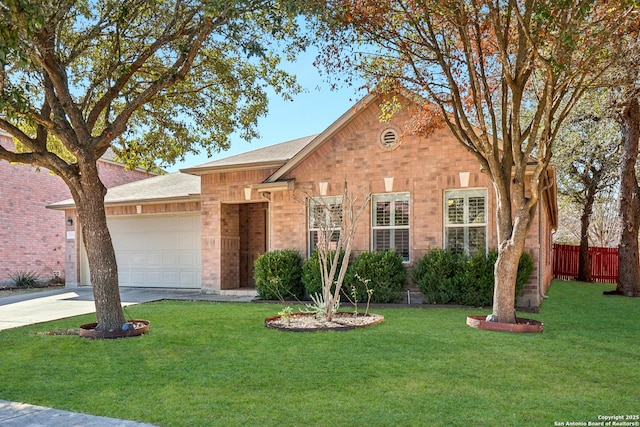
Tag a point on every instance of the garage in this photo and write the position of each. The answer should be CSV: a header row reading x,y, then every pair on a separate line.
x,y
156,251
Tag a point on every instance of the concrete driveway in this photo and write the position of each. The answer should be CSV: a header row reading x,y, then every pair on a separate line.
x,y
38,307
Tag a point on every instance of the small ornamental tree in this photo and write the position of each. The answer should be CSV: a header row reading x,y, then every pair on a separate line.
x,y
336,224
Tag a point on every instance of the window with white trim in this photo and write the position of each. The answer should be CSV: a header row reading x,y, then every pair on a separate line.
x,y
465,221
324,219
390,223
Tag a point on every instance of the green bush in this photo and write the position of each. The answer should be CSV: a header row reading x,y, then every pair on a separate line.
x,y
277,275
311,277
26,279
478,282
439,274
445,278
384,272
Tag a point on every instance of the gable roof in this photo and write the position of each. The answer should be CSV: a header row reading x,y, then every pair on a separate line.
x,y
273,156
284,156
316,142
172,187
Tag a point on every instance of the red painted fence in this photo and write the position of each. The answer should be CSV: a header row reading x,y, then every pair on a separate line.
x,y
604,263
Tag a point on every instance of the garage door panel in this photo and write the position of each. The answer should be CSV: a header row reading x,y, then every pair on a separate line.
x,y
188,260
134,242
137,259
160,240
155,260
173,277
157,251
187,240
170,259
138,278
189,277
123,263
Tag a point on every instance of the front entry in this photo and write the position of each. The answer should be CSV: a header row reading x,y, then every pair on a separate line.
x,y
244,239
253,239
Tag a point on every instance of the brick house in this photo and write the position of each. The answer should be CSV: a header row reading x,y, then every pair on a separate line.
x,y
32,238
204,227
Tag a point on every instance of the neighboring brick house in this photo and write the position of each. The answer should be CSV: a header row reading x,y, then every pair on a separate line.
x,y
32,238
428,192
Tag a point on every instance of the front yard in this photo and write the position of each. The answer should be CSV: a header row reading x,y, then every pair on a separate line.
x,y
207,364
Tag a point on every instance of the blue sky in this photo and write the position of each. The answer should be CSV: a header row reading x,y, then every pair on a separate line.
x,y
309,113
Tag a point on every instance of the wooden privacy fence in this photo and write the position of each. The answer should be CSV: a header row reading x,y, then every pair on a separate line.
x,y
604,263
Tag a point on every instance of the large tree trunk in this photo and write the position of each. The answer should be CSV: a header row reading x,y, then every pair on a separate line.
x,y
584,260
100,253
510,250
629,202
506,270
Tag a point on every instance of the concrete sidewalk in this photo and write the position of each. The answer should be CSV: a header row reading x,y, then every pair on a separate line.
x,y
14,414
38,307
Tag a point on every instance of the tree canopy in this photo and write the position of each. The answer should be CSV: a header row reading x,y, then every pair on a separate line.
x,y
503,76
152,80
587,156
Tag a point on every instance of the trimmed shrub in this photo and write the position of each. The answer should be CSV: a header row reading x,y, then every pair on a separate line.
x,y
445,278
385,273
439,274
311,277
478,282
277,275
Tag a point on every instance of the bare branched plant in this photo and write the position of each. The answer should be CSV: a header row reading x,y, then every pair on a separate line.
x,y
336,221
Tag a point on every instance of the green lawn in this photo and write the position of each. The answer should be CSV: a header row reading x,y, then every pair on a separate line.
x,y
206,364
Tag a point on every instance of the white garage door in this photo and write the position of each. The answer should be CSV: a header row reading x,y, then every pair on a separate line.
x,y
157,251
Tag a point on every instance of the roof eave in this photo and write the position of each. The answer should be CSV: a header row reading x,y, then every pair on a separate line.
x,y
155,201
199,171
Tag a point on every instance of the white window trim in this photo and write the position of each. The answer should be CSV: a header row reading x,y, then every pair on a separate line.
x,y
326,200
445,218
391,197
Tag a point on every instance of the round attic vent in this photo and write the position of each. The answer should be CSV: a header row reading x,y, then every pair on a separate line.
x,y
389,139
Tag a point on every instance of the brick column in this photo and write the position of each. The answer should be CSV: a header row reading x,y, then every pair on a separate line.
x,y
210,245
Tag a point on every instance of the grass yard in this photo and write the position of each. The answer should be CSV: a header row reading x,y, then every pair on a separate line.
x,y
210,364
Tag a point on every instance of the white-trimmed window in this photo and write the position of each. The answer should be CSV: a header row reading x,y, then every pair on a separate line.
x,y
324,219
465,221
390,223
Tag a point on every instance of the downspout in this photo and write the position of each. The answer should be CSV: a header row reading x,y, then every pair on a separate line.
x,y
540,252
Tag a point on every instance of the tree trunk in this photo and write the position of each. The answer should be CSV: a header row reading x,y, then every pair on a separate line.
x,y
504,291
629,202
100,253
584,260
506,270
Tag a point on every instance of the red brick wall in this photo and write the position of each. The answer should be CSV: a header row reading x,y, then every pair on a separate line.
x,y
424,167
253,239
33,238
113,175
230,245
220,225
